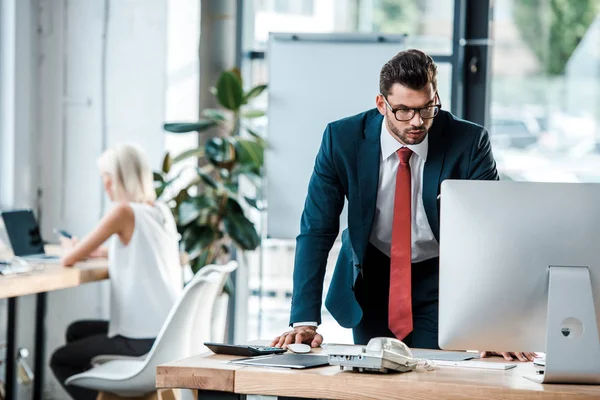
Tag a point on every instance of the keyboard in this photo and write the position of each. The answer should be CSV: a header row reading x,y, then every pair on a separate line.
x,y
475,364
247,350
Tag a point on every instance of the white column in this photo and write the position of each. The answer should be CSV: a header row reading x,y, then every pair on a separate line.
x,y
18,133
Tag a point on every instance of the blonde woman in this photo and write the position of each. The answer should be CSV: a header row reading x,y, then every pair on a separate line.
x,y
144,268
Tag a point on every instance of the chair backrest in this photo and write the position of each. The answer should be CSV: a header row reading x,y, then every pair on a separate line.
x,y
188,325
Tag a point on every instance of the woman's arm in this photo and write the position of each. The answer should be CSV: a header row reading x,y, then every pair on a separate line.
x,y
120,220
69,244
100,252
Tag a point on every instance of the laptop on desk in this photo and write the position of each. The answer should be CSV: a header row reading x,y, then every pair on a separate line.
x,y
25,238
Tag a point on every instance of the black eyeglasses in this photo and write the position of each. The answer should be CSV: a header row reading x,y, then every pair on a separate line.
x,y
404,114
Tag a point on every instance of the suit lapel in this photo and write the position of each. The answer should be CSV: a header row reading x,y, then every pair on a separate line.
x,y
432,171
368,151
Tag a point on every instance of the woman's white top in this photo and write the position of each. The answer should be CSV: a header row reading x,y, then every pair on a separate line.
x,y
146,275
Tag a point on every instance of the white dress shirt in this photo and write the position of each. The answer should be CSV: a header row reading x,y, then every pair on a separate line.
x,y
423,244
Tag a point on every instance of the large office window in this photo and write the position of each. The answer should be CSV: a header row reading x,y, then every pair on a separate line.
x,y
183,35
183,74
428,25
545,90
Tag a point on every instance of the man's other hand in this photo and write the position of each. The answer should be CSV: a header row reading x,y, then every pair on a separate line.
x,y
300,334
509,356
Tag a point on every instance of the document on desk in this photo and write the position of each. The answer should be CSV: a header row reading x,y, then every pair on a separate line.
x,y
296,361
443,355
475,364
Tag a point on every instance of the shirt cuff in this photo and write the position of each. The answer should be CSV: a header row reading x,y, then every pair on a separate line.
x,y
309,323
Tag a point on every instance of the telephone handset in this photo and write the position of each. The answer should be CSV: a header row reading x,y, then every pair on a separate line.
x,y
380,354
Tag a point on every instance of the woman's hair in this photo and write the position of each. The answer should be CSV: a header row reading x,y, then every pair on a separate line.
x,y
127,166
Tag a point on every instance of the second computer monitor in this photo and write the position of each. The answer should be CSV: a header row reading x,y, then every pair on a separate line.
x,y
520,271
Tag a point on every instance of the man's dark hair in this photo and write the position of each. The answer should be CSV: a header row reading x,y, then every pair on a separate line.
x,y
411,68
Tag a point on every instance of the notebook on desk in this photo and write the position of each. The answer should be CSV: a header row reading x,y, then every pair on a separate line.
x,y
296,361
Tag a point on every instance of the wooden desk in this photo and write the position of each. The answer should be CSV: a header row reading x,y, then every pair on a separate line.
x,y
52,277
214,378
45,278
49,277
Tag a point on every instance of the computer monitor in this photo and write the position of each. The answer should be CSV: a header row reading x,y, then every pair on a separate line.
x,y
23,232
520,271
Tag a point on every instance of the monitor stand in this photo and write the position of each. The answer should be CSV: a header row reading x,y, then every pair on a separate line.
x,y
572,345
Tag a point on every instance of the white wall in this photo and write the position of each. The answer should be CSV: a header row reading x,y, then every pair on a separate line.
x,y
67,93
96,94
17,70
18,132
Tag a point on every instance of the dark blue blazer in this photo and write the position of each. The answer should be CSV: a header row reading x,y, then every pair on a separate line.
x,y
347,166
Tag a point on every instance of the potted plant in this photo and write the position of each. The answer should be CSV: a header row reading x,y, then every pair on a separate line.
x,y
210,211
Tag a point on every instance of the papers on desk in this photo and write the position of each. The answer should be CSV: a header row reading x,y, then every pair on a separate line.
x,y
438,355
14,269
475,364
296,361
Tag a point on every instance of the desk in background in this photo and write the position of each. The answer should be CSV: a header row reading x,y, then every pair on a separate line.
x,y
50,277
214,378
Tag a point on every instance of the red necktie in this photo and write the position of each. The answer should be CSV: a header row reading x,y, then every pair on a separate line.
x,y
400,303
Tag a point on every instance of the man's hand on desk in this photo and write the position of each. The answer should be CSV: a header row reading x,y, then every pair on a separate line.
x,y
300,334
509,356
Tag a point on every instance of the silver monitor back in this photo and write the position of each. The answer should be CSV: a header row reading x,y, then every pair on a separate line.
x,y
498,242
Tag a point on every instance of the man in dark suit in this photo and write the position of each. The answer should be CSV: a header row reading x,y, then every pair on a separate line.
x,y
388,163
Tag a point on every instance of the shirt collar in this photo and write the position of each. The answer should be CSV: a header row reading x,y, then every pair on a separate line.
x,y
389,145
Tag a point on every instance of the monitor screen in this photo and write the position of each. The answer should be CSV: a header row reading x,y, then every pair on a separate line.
x,y
520,271
23,232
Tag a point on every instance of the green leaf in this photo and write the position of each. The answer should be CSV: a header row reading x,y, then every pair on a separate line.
x,y
253,203
238,227
194,208
249,151
181,196
254,92
159,187
253,113
229,90
195,181
157,177
232,188
259,139
188,211
159,190
238,74
185,127
220,151
197,152
250,172
167,163
207,179
198,237
214,115
203,259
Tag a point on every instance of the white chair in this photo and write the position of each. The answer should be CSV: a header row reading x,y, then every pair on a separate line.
x,y
183,334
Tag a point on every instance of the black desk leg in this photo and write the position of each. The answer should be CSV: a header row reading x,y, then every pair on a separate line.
x,y
214,395
40,347
10,380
